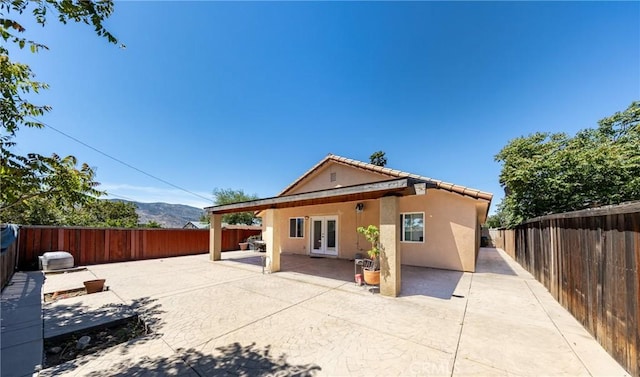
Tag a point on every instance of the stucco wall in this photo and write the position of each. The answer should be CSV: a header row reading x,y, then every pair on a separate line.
x,y
345,176
450,231
451,221
349,241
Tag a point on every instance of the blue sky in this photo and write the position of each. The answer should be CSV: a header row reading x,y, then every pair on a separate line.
x,y
250,95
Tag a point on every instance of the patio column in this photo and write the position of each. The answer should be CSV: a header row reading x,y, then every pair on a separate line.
x,y
390,273
215,237
271,237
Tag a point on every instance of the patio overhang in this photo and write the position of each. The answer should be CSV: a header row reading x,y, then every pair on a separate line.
x,y
376,190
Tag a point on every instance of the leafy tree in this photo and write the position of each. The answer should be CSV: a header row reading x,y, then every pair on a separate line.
x,y
230,196
496,221
549,173
378,158
93,212
204,218
43,189
151,224
104,213
32,179
34,211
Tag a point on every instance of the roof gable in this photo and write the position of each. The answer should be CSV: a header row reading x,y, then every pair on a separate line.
x,y
318,177
333,174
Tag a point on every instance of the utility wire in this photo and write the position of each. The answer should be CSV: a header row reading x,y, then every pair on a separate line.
x,y
119,161
121,197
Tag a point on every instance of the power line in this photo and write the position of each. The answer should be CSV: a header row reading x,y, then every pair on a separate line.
x,y
121,197
120,161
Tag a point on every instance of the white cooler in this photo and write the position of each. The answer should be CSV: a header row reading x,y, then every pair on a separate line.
x,y
55,260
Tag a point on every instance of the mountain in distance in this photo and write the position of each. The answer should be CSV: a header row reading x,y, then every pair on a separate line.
x,y
165,214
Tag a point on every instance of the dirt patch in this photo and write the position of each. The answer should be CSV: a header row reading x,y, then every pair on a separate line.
x,y
67,347
59,295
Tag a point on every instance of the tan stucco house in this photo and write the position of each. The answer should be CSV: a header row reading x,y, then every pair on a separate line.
x,y
422,221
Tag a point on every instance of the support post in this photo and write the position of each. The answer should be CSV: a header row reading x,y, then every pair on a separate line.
x,y
390,262
215,237
272,238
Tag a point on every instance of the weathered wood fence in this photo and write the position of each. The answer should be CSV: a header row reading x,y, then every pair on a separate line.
x,y
105,245
589,261
8,264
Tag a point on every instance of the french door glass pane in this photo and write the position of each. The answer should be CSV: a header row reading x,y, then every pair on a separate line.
x,y
317,234
331,233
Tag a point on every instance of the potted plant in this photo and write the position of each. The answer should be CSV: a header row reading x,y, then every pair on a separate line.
x,y
372,270
244,245
94,286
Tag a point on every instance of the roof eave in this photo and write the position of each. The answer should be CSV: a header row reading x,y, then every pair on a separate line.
x,y
374,190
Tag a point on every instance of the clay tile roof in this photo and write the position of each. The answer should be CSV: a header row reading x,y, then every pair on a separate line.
x,y
392,173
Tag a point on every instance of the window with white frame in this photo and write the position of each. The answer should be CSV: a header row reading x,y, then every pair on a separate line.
x,y
296,227
412,227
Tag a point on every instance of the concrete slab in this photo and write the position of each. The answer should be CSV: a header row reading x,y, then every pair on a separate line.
x,y
23,359
227,317
81,312
28,332
508,310
303,341
21,330
67,280
139,357
517,348
24,289
195,317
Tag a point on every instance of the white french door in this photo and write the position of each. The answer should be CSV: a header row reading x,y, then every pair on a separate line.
x,y
324,235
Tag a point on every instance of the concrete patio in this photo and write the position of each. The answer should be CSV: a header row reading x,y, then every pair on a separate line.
x,y
311,319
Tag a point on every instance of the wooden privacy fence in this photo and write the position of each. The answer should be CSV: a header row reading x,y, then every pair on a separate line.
x,y
105,245
8,264
589,261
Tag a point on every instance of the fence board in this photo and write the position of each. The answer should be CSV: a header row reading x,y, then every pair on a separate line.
x,y
104,245
8,264
589,260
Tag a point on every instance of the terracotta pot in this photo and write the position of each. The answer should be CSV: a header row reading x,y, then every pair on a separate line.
x,y
244,245
94,286
372,277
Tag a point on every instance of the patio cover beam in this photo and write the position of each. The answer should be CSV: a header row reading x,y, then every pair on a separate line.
x,y
376,190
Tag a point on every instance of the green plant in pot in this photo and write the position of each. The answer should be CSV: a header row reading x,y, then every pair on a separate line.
x,y
372,271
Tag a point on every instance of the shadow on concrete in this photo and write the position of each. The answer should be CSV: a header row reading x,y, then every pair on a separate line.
x,y
252,260
21,334
422,281
249,257
231,360
64,318
330,268
249,360
79,317
431,282
490,261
